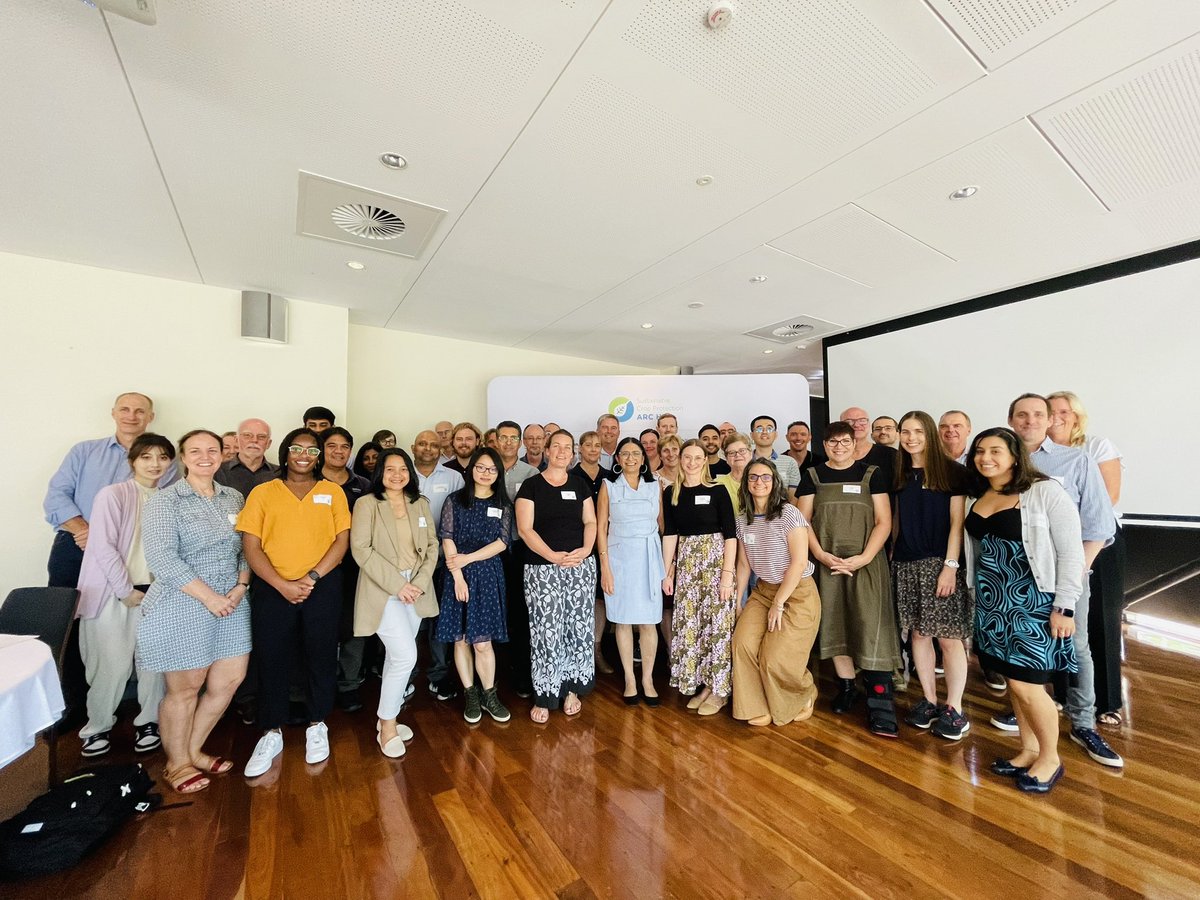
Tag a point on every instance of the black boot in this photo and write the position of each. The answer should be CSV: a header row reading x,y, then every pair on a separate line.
x,y
881,707
843,701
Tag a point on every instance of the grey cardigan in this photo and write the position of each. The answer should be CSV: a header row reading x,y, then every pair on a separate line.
x,y
1053,542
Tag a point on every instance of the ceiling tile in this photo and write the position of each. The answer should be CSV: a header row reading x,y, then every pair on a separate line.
x,y
998,31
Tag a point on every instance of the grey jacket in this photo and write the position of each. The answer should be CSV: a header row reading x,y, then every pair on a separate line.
x,y
1053,542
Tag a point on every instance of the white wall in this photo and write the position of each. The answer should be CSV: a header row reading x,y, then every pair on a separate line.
x,y
1126,346
76,336
408,382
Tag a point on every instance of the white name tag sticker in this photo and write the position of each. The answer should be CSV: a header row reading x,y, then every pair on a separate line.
x,y
517,486
232,519
326,499
851,488
703,499
494,512
568,495
441,488
32,827
749,539
420,521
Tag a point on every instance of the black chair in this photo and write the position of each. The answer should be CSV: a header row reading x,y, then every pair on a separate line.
x,y
47,612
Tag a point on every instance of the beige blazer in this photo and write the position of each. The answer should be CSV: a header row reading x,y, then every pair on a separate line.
x,y
373,543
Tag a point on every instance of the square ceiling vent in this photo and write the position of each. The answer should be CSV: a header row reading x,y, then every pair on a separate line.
x,y
349,214
798,329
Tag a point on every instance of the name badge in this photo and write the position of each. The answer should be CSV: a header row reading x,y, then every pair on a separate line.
x,y
517,487
326,499
440,488
420,521
703,499
494,512
851,488
568,495
232,519
749,539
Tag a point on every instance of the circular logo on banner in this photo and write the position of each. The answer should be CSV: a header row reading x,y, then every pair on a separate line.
x,y
622,408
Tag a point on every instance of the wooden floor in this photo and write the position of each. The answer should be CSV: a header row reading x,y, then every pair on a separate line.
x,y
660,803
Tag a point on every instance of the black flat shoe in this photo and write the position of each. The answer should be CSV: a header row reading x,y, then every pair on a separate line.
x,y
633,700
652,702
1006,769
846,696
1030,785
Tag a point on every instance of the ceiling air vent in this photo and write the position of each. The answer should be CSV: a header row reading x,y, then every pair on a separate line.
x,y
368,221
348,214
797,328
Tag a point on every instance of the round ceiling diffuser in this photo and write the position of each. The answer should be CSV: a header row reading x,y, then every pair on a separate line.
x,y
363,220
791,331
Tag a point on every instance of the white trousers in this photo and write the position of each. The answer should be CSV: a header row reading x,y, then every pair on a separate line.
x,y
398,631
106,644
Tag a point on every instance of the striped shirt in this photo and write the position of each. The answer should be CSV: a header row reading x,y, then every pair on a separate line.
x,y
765,543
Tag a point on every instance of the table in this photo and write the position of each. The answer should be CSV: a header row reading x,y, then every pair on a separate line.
x,y
31,698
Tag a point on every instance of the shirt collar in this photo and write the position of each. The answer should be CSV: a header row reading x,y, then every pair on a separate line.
x,y
1047,446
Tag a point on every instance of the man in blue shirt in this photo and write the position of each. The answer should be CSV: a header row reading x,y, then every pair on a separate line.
x,y
88,467
1029,417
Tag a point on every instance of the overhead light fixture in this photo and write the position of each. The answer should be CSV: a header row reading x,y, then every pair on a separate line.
x,y
696,304
393,160
355,265
768,350
704,180
802,346
964,192
647,324
757,279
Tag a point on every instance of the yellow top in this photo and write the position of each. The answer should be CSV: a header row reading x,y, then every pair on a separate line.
x,y
295,533
732,487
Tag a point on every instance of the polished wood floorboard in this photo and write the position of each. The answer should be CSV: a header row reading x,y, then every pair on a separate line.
x,y
622,802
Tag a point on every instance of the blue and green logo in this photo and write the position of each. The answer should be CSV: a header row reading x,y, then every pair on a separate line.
x,y
622,408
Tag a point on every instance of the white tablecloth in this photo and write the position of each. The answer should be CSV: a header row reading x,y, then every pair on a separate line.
x,y
31,697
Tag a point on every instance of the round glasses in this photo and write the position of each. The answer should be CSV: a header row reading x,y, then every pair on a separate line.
x,y
297,450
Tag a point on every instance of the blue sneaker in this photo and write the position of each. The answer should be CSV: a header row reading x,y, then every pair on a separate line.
x,y
1006,721
1096,747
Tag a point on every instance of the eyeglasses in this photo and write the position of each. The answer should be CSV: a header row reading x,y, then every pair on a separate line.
x,y
840,442
730,454
765,429
629,454
297,450
764,477
509,439
485,470
863,421
247,436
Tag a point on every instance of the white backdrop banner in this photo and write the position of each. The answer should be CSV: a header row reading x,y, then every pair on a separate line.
x,y
575,401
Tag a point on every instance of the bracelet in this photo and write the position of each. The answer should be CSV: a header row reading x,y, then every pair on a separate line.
x,y
728,571
244,584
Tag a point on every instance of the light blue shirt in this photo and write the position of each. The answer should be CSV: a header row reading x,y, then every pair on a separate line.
x,y
88,467
1080,478
437,486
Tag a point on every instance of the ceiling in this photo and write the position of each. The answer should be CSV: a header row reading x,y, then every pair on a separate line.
x,y
563,140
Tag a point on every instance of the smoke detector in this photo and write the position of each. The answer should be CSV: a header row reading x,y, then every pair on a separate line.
x,y
719,15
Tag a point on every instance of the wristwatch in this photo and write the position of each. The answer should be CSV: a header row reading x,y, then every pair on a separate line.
x,y
1063,611
315,576
951,563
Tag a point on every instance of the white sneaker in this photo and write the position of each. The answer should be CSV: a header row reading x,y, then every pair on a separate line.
x,y
316,743
269,746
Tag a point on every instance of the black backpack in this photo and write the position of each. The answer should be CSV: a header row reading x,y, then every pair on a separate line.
x,y
69,821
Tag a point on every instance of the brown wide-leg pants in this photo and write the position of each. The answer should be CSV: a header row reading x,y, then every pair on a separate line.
x,y
770,668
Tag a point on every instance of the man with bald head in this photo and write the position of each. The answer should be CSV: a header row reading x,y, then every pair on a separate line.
x,y
864,448
437,483
250,467
954,427
535,446
88,467
445,435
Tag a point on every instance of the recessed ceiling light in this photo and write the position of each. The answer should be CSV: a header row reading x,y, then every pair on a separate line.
x,y
696,304
393,160
768,350
757,279
704,180
964,192
802,346
355,264
647,324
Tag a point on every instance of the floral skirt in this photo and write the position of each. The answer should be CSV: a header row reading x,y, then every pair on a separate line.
x,y
562,603
702,623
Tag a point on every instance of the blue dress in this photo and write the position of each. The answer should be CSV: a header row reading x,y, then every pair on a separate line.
x,y
1012,616
482,618
634,553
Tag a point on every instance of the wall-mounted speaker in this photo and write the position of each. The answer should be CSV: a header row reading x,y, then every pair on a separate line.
x,y
264,317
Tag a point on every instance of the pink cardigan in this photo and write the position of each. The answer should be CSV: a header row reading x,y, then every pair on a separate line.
x,y
102,575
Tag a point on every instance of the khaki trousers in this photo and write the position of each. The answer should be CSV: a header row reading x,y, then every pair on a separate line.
x,y
770,668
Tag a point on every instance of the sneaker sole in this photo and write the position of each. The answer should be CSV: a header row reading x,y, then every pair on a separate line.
x,y
1111,763
924,727
954,737
1011,729
149,749
496,718
91,753
312,762
474,721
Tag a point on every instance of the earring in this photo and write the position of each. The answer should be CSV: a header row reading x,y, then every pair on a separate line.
x,y
616,468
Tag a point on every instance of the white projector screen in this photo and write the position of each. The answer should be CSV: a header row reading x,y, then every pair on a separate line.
x,y
1125,345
